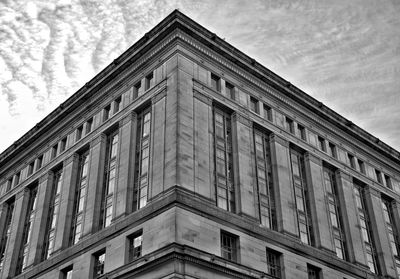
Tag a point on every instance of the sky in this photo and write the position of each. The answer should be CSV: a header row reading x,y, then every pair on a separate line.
x,y
344,53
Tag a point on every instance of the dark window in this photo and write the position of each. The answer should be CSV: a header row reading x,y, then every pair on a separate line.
x,y
273,263
321,144
106,112
332,150
254,105
89,124
391,228
230,90
9,184
388,181
117,105
6,232
17,177
361,166
135,246
63,144
54,206
30,168
39,162
98,268
351,160
137,89
301,197
66,273
79,131
80,198
267,112
225,190
149,81
265,186
378,175
229,246
289,125
215,82
313,272
26,235
107,206
54,151
302,131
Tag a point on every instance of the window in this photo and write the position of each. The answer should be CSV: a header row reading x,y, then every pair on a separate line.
x,y
149,81
9,184
332,150
215,82
106,113
135,246
392,232
378,175
79,131
30,168
54,207
137,89
265,187
254,105
229,246
39,162
302,132
301,198
267,112
351,160
98,268
6,232
89,125
365,226
321,144
361,166
313,272
333,206
63,144
66,273
26,234
225,192
230,90
54,151
289,125
273,263
17,177
117,105
107,205
388,181
79,198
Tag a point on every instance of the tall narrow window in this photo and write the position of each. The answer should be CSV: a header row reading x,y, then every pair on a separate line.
x,y
229,246
365,227
215,82
301,198
289,125
79,131
378,175
54,206
225,193
99,260
313,272
264,180
361,166
149,81
254,105
66,273
302,131
117,105
17,176
26,235
230,90
30,168
273,263
351,161
334,213
142,159
135,246
39,162
63,145
392,232
137,89
106,112
89,124
5,233
332,150
107,205
79,199
321,144
388,181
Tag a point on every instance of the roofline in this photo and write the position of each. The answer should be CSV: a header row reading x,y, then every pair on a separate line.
x,y
176,19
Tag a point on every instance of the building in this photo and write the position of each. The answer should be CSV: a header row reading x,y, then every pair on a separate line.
x,y
185,158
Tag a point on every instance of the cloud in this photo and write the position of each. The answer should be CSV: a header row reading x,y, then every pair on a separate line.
x,y
344,53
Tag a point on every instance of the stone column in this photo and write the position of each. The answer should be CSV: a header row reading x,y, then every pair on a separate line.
x,y
67,195
243,163
283,186
319,212
95,184
39,225
351,225
17,229
124,186
373,202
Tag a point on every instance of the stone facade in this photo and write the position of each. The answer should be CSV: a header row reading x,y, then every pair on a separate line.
x,y
201,163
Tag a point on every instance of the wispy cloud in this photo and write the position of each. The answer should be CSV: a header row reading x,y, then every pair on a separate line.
x,y
344,53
